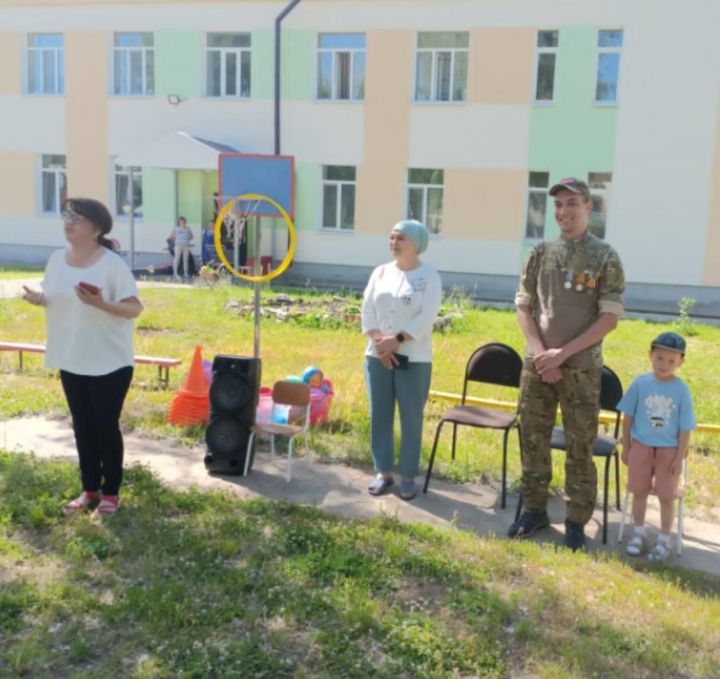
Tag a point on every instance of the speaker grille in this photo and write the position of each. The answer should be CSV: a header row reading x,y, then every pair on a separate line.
x,y
230,393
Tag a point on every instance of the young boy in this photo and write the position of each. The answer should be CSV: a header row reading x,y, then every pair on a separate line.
x,y
658,417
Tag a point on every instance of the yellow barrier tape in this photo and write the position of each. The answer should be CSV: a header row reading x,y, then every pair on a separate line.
x,y
605,418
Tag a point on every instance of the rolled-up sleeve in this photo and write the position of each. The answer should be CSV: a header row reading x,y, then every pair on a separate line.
x,y
526,294
612,286
422,323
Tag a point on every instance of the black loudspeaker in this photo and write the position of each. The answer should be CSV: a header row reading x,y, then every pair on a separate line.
x,y
233,401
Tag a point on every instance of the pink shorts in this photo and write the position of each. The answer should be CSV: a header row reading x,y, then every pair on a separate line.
x,y
648,462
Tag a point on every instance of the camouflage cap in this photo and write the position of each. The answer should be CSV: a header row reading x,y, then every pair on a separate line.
x,y
671,341
571,184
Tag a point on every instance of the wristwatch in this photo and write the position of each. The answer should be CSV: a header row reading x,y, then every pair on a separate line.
x,y
400,337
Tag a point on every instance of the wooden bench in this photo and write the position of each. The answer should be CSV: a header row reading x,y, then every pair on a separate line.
x,y
163,364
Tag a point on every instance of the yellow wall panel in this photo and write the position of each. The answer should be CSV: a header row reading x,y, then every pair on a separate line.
x,y
10,63
382,174
17,183
86,114
485,205
501,65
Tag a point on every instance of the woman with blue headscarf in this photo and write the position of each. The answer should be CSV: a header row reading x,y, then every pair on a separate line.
x,y
400,305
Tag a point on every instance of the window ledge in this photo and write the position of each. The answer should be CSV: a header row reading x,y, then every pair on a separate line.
x,y
438,103
334,232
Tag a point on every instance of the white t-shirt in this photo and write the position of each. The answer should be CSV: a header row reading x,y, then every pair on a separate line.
x,y
403,301
80,338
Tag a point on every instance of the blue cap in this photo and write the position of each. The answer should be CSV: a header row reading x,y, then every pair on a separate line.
x,y
415,231
671,341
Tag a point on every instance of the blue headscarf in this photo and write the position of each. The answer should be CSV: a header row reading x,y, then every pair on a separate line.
x,y
415,231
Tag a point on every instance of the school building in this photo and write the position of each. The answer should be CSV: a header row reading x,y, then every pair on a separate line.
x,y
457,113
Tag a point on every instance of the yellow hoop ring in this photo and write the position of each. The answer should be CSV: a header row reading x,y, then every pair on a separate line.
x,y
218,240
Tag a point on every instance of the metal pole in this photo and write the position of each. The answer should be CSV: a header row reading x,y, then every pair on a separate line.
x,y
278,21
256,272
131,200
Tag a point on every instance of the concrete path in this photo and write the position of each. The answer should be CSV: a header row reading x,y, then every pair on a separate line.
x,y
341,490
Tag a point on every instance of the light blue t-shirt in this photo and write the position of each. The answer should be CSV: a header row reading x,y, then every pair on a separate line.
x,y
660,410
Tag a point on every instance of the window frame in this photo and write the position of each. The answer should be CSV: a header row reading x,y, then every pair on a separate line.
x,y
608,50
538,52
338,184
533,190
59,57
224,51
128,50
335,52
124,171
57,174
433,72
425,187
603,194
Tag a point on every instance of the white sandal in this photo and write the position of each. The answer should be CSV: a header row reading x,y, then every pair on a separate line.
x,y
659,552
635,546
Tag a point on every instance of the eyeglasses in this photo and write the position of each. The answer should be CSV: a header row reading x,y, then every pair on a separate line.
x,y
72,217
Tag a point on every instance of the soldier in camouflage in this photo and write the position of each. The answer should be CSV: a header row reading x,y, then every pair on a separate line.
x,y
569,298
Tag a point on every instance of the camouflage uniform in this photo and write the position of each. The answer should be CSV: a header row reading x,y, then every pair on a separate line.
x,y
567,285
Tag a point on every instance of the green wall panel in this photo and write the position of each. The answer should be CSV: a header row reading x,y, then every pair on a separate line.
x,y
190,198
158,196
307,192
573,136
262,81
179,56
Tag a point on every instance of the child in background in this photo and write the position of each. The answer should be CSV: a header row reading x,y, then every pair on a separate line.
x,y
658,418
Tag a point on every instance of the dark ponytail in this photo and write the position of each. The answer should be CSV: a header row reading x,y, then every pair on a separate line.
x,y
96,213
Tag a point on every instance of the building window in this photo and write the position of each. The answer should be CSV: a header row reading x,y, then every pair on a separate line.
x,y
599,184
53,183
45,64
122,191
608,66
425,197
547,47
441,66
538,184
134,63
228,65
338,197
341,66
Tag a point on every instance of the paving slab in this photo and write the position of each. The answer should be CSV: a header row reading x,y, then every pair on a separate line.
x,y
342,490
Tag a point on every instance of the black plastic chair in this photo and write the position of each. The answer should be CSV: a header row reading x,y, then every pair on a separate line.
x,y
605,446
491,364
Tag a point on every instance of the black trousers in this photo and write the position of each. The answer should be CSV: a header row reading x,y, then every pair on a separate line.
x,y
95,404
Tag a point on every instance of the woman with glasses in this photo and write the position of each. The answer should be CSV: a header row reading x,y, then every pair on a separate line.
x,y
90,301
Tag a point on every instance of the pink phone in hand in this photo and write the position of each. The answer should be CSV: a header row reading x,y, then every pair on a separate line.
x,y
89,287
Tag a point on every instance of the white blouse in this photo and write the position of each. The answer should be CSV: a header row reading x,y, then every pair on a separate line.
x,y
80,338
403,301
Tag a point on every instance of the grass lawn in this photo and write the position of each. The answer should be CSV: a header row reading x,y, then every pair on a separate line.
x,y
190,584
176,320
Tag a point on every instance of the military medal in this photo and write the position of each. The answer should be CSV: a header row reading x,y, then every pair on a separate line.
x,y
580,279
568,279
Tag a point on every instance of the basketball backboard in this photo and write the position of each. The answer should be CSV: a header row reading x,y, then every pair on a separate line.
x,y
271,176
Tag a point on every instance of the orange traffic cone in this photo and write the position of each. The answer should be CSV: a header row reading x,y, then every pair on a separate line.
x,y
191,403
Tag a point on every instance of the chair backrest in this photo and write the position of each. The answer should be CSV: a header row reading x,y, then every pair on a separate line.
x,y
493,363
611,391
291,393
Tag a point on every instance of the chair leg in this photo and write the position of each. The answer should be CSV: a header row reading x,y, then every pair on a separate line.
x,y
248,452
308,454
290,452
623,518
504,469
617,478
431,461
452,450
606,495
272,447
680,527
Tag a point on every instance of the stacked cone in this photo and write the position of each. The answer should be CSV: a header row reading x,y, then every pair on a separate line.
x,y
191,403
